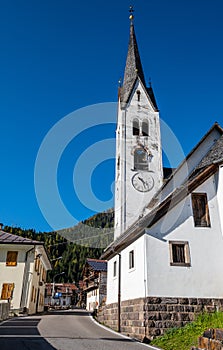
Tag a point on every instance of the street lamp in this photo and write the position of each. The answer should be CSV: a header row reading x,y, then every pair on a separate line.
x,y
59,258
53,290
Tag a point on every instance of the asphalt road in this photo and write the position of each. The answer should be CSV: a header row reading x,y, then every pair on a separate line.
x,y
62,330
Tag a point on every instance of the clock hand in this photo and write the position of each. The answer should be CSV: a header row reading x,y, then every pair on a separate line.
x,y
144,183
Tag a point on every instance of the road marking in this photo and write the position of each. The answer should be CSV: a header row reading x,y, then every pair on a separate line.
x,y
16,327
122,335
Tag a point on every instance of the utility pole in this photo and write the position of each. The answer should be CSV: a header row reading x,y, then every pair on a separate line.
x,y
53,289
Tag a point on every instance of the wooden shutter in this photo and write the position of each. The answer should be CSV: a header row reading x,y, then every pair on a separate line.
x,y
200,209
7,290
178,253
11,259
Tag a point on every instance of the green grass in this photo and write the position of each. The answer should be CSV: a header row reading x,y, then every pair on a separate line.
x,y
186,337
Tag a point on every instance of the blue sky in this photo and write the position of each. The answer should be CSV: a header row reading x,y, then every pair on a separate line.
x,y
57,57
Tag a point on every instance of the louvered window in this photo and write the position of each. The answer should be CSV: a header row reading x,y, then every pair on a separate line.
x,y
179,253
200,210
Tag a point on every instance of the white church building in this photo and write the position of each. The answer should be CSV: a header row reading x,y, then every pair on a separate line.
x,y
166,261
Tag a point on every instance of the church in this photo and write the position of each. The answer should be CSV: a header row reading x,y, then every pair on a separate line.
x,y
165,263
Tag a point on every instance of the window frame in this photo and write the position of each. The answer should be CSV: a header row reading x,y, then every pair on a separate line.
x,y
206,215
186,251
131,259
139,162
12,262
115,269
135,129
145,133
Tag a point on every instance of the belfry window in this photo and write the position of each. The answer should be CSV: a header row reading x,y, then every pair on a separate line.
x,y
135,127
145,128
140,159
138,95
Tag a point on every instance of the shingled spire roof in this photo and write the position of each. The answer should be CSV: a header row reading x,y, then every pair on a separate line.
x,y
133,70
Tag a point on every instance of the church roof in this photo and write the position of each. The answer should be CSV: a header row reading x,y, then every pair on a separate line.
x,y
134,70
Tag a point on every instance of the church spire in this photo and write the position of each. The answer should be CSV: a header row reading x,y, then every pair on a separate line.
x,y
133,67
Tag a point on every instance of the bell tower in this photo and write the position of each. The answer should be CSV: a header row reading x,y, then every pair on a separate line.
x,y
139,172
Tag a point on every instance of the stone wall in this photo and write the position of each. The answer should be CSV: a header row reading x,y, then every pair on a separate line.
x,y
102,287
150,317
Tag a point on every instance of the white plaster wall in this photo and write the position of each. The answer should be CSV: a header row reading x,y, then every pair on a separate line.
x,y
133,285
219,181
132,280
203,277
130,203
92,301
112,282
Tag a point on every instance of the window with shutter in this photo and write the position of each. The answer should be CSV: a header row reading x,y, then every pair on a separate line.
x,y
200,210
11,259
7,291
179,253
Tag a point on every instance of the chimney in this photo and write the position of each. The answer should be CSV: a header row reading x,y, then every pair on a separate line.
x,y
1,225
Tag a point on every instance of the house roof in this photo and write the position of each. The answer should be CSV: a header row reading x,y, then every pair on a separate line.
x,y
205,168
97,264
8,238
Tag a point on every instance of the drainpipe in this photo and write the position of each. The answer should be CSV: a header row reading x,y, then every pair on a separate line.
x,y
119,293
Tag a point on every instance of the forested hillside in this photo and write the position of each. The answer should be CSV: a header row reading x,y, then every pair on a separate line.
x,y
73,245
96,232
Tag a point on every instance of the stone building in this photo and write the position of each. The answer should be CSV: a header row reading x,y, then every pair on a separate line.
x,y
166,258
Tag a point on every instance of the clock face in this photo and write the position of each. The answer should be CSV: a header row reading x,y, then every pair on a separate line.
x,y
143,181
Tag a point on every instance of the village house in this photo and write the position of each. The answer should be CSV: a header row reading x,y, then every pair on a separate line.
x,y
165,263
94,283
23,268
62,295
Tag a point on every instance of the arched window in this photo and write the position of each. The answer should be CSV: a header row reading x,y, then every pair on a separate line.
x,y
145,128
135,127
140,159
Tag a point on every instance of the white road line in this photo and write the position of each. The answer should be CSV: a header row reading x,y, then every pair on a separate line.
x,y
122,335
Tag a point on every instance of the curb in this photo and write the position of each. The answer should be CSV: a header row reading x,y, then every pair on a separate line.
x,y
122,335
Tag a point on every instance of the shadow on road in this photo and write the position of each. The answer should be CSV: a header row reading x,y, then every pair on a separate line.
x,y
22,334
68,312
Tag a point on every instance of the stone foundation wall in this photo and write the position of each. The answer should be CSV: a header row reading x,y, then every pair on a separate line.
x,y
151,317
